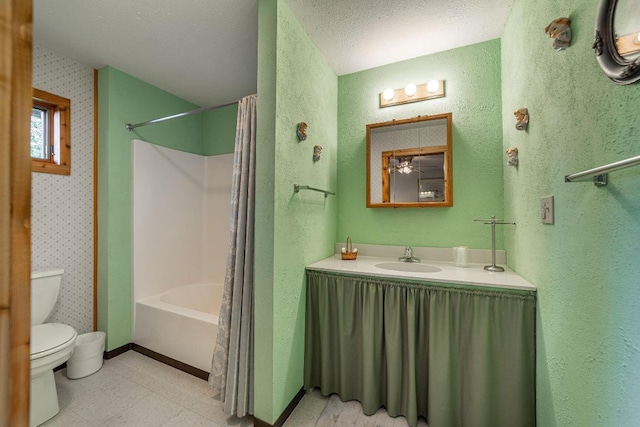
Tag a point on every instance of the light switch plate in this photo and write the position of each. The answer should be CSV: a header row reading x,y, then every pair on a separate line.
x,y
546,210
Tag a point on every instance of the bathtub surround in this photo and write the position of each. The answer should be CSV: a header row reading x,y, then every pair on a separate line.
x,y
62,206
180,218
233,361
181,209
216,216
168,219
125,99
180,324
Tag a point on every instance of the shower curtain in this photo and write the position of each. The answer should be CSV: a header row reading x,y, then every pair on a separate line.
x,y
232,364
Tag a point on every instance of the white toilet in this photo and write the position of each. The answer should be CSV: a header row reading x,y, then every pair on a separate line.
x,y
51,345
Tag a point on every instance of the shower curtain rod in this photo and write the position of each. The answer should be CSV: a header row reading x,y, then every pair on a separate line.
x,y
131,127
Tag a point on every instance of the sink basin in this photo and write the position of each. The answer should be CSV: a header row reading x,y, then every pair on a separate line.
x,y
414,267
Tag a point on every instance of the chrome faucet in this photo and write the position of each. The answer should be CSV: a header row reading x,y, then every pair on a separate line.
x,y
408,255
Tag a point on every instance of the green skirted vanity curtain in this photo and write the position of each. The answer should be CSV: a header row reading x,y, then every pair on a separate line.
x,y
232,364
457,357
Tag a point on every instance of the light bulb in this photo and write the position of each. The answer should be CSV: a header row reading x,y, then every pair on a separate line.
x,y
388,94
433,86
410,89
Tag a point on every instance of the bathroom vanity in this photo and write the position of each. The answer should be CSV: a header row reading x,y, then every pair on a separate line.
x,y
453,345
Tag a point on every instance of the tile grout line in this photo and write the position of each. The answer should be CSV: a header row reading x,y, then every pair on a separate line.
x,y
188,409
139,372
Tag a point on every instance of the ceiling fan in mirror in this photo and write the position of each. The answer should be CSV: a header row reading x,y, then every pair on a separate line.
x,y
407,164
402,165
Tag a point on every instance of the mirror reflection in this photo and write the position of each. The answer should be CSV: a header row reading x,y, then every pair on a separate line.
x,y
409,162
626,26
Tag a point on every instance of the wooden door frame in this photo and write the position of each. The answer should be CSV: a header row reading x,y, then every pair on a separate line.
x,y
15,210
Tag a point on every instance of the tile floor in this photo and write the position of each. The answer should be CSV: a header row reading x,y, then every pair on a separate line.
x,y
135,390
338,413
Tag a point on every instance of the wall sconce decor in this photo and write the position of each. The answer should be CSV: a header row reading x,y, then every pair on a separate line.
x,y
317,151
412,93
512,156
560,30
301,131
522,118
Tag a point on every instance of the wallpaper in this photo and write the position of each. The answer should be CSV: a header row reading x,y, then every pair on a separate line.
x,y
62,206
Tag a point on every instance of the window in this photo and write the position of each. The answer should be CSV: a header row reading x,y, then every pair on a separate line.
x,y
50,133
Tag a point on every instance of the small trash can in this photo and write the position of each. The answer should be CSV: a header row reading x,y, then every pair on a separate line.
x,y
87,355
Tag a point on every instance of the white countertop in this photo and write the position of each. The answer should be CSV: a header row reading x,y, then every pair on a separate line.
x,y
473,275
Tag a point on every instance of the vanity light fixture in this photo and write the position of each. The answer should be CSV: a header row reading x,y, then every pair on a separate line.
x,y
412,93
388,94
410,89
433,86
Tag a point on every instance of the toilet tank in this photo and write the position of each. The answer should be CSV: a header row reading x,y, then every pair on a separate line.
x,y
45,287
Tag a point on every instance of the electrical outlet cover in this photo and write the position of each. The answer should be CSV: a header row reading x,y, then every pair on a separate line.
x,y
546,210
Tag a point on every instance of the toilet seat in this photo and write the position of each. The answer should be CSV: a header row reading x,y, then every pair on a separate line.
x,y
49,338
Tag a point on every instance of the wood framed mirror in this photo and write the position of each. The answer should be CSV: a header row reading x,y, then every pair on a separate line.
x,y
409,163
617,40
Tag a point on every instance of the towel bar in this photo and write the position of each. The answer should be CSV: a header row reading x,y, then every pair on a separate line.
x,y
297,188
599,174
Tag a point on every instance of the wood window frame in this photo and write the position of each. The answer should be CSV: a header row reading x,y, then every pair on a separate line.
x,y
59,110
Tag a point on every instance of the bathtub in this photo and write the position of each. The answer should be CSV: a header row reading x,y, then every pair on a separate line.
x,y
181,323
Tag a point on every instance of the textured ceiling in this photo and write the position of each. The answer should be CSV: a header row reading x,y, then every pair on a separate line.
x,y
205,51
358,35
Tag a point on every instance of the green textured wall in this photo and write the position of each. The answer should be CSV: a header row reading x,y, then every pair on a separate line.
x,y
124,99
586,266
219,130
472,87
292,230
264,220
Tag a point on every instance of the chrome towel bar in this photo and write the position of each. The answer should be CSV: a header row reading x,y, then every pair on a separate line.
x,y
599,174
297,188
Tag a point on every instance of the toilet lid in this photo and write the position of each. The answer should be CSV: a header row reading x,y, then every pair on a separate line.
x,y
49,337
